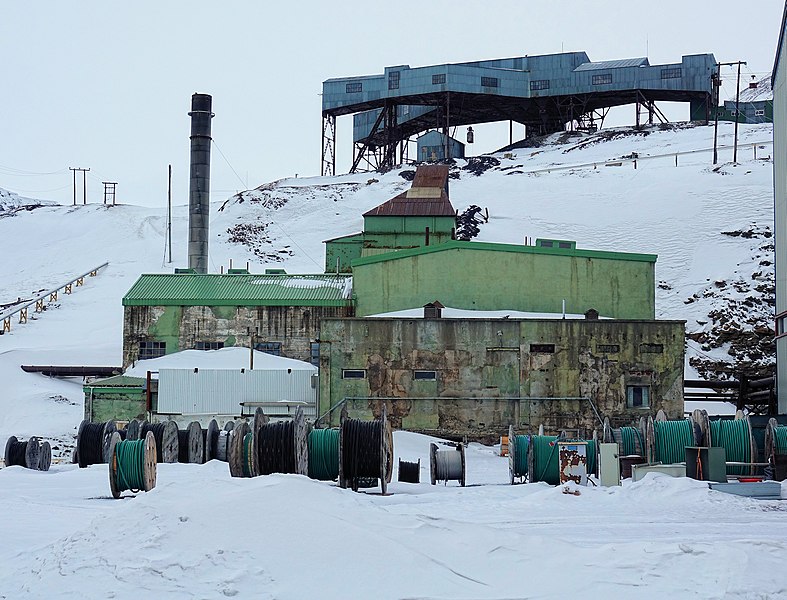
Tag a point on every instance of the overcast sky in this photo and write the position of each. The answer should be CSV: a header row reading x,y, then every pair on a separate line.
x,y
107,85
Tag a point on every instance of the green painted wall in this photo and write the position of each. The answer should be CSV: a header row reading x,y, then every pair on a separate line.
x,y
119,404
489,374
487,279
408,224
344,250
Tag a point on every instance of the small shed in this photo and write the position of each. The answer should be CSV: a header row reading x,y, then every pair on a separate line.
x,y
118,398
431,147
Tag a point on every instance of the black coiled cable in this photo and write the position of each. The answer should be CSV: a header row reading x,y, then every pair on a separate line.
x,y
276,448
361,448
158,434
17,453
183,445
410,472
90,446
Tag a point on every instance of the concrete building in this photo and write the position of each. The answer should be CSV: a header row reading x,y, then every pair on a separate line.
x,y
474,377
780,209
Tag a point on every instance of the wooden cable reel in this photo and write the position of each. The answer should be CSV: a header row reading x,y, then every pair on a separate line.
x,y
193,451
149,459
235,453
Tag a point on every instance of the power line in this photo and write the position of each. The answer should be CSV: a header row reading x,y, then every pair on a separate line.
x,y
244,184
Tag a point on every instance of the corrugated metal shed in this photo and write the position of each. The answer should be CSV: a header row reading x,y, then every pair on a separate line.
x,y
239,290
427,197
613,64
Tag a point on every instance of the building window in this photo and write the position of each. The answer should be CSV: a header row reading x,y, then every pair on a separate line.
x,y
489,82
651,348
546,243
269,348
208,345
781,324
542,348
637,396
152,350
438,79
424,375
354,87
353,373
564,245
539,84
608,348
759,112
393,80
602,79
314,353
673,73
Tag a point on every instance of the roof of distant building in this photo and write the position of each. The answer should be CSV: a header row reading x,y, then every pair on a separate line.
x,y
427,196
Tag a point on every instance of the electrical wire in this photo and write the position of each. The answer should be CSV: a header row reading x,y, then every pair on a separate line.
x,y
323,445
670,439
734,436
130,463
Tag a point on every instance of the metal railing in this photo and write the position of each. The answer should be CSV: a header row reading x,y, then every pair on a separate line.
x,y
45,297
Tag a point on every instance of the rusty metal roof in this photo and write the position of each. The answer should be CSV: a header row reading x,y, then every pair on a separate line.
x,y
427,197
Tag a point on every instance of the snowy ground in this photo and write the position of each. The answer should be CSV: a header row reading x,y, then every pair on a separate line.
x,y
202,534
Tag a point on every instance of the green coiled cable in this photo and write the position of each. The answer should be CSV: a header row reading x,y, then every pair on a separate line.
x,y
323,445
631,441
780,439
130,458
248,455
546,465
734,436
521,444
670,439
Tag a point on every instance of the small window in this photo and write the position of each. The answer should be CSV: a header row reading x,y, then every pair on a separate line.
x,y
602,79
759,112
781,324
673,73
208,345
542,348
314,353
652,348
424,375
438,79
564,245
354,87
152,350
489,82
546,243
353,373
269,348
608,348
539,84
393,80
638,396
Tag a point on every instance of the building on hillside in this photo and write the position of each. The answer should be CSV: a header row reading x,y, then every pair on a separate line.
x,y
421,216
279,314
755,104
475,376
780,209
431,147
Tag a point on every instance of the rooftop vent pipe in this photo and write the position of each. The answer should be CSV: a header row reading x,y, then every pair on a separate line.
x,y
199,186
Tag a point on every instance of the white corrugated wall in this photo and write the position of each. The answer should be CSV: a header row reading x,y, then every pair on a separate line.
x,y
222,391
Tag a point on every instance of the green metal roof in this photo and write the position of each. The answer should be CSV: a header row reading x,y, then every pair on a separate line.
x,y
118,381
239,290
367,260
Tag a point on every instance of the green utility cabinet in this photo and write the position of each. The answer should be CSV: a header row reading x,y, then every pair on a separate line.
x,y
706,464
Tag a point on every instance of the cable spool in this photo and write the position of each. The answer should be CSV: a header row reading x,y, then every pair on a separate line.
x,y
735,437
223,442
630,440
517,455
447,465
323,447
669,439
132,430
410,472
132,464
166,435
775,439
191,447
24,454
45,456
281,447
93,442
365,452
241,465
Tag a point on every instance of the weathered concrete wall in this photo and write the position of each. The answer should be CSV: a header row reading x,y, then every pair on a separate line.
x,y
181,327
121,404
496,372
493,279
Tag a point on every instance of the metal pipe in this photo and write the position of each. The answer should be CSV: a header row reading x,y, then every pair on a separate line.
x,y
199,183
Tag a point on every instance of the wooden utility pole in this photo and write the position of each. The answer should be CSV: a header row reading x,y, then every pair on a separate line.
x,y
109,191
737,112
169,212
717,85
84,183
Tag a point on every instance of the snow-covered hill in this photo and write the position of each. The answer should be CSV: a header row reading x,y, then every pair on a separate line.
x,y
709,226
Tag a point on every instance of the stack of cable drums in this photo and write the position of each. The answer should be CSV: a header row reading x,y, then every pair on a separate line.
x,y
132,464
631,444
776,448
32,454
666,441
365,452
266,448
93,442
735,436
